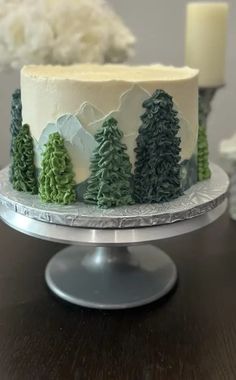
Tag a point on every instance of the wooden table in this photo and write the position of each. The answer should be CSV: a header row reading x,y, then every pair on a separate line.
x,y
191,334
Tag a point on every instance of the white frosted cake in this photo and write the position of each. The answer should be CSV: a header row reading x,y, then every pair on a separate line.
x,y
77,101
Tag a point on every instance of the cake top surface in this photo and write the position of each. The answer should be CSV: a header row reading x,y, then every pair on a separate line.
x,y
93,72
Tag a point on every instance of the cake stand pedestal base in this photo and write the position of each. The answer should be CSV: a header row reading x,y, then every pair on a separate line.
x,y
111,277
108,265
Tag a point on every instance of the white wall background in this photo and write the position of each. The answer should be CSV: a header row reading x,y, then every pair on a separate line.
x,y
159,26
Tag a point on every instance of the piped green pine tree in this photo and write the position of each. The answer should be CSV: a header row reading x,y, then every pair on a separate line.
x,y
16,123
110,182
157,169
203,170
23,168
56,182
16,116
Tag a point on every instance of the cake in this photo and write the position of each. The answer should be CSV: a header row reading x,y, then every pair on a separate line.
x,y
82,106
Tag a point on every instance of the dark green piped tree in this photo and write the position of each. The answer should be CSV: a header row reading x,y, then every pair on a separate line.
x,y
16,116
110,182
204,171
56,183
23,168
157,169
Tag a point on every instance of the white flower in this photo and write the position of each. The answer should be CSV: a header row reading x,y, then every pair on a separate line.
x,y
61,32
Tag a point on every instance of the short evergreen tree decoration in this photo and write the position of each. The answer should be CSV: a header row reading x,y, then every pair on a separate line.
x,y
56,183
204,171
16,116
110,182
23,168
157,169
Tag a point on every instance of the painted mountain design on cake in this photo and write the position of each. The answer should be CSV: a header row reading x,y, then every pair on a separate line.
x,y
79,143
188,139
87,114
78,131
128,116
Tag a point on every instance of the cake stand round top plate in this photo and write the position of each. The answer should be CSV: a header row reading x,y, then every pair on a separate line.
x,y
199,199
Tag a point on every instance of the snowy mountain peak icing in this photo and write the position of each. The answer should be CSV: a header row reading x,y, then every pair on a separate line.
x,y
79,143
87,114
128,116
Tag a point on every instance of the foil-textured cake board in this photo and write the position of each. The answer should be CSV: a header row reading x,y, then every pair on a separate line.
x,y
199,199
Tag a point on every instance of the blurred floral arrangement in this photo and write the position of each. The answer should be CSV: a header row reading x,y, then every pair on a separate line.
x,y
61,32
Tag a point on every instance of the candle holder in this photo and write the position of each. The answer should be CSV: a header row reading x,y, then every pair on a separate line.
x,y
206,96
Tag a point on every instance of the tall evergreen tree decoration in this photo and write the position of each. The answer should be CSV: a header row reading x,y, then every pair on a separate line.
x,y
157,168
23,168
204,171
56,183
16,116
110,181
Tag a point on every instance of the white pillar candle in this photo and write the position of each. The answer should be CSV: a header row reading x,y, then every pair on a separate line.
x,y
206,31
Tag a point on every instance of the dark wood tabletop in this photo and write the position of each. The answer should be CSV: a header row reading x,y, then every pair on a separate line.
x,y
190,334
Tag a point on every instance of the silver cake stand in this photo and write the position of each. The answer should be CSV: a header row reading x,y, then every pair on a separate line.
x,y
113,268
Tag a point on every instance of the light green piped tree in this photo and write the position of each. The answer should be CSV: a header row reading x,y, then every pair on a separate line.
x,y
110,182
23,173
56,183
204,171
